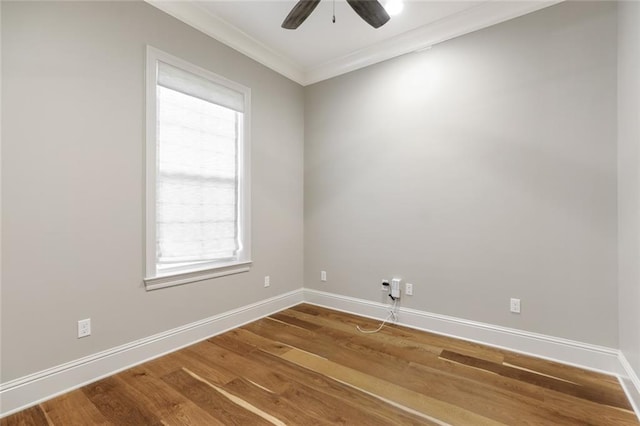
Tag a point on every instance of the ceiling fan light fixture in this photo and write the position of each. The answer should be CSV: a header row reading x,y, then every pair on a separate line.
x,y
394,7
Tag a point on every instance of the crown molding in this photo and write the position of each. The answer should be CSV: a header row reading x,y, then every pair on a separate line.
x,y
475,18
193,14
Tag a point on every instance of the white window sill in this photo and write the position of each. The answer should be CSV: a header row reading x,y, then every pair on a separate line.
x,y
179,278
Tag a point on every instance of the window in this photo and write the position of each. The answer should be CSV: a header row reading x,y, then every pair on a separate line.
x,y
197,157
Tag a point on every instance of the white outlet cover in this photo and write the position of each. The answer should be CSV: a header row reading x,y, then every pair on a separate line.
x,y
84,328
515,306
267,281
408,289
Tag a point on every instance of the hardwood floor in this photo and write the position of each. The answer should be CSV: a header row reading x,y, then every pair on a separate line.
x,y
310,366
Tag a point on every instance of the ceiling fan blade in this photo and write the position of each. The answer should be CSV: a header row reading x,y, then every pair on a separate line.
x,y
371,11
299,13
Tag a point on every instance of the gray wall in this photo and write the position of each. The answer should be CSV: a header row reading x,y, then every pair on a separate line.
x,y
72,180
479,170
629,179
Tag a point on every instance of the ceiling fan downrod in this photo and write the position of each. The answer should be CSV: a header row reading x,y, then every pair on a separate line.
x,y
334,11
369,10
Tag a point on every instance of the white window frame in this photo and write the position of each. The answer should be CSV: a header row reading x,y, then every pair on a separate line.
x,y
197,272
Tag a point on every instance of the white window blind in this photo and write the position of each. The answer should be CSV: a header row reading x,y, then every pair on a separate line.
x,y
198,200
193,85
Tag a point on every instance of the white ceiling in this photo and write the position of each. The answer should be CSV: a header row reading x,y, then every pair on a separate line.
x,y
320,49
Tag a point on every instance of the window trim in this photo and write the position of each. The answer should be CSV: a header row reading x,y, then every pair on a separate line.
x,y
193,273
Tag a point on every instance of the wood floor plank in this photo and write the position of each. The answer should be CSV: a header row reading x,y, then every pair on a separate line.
x,y
268,345
386,368
297,322
168,404
33,416
479,401
371,402
73,409
562,371
247,342
266,379
242,367
166,364
483,398
395,333
117,403
292,336
610,394
317,400
193,359
397,351
264,387
209,398
583,410
569,388
309,365
274,404
436,410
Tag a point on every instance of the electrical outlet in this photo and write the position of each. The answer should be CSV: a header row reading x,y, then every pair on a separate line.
x,y
267,281
515,306
84,328
384,286
323,275
408,289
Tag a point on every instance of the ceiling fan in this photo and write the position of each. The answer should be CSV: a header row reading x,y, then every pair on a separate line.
x,y
369,10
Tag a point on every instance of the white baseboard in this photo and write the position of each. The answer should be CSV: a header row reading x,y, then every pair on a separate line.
x,y
35,388
598,358
631,384
583,355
